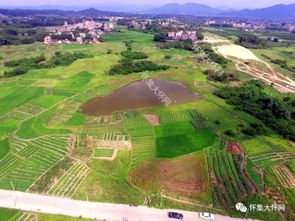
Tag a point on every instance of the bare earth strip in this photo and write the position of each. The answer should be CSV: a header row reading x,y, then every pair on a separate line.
x,y
243,58
152,119
93,210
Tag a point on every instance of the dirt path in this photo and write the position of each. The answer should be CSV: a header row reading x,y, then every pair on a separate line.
x,y
242,57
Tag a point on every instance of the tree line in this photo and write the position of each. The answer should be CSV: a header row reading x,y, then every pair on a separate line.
x,y
278,114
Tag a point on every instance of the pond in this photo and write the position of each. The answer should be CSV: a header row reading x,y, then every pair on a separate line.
x,y
138,95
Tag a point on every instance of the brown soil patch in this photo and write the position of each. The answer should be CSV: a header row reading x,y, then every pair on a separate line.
x,y
292,143
186,176
233,147
256,170
152,119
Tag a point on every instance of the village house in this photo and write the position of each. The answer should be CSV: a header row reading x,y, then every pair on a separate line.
x,y
182,35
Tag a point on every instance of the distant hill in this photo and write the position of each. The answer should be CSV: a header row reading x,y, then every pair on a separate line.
x,y
85,12
280,11
185,9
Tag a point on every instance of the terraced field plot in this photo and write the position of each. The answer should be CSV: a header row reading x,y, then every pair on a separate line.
x,y
229,179
68,184
143,140
171,117
19,170
24,216
285,175
22,112
268,159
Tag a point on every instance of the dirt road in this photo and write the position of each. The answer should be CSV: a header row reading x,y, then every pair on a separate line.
x,y
102,211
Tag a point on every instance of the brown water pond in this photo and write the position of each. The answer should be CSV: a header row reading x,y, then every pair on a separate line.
x,y
138,95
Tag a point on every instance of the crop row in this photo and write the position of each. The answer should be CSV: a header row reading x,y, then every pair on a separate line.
x,y
63,113
70,181
285,175
229,182
143,140
186,115
22,112
268,159
20,170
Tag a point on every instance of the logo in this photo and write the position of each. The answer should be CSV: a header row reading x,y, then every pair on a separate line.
x,y
241,207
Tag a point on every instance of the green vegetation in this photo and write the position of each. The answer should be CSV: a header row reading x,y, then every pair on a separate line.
x,y
7,214
255,146
275,113
103,153
77,82
181,138
128,67
35,127
41,154
4,147
230,182
23,65
44,183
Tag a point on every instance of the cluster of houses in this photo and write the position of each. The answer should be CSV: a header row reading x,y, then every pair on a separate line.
x,y
86,32
182,35
252,25
139,24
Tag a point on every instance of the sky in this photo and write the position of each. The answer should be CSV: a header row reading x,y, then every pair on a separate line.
x,y
230,3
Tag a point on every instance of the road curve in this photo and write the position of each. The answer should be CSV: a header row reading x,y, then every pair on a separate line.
x,y
94,210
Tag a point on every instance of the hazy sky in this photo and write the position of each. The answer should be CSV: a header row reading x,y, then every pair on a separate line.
x,y
231,3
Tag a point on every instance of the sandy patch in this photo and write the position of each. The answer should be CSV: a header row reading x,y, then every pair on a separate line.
x,y
236,51
152,119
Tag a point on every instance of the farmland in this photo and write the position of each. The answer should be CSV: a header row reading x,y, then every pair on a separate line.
x,y
176,160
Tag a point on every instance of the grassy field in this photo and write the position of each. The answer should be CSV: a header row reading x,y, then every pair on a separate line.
x,y
181,138
4,147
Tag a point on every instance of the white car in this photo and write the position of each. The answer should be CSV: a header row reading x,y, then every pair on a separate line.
x,y
207,216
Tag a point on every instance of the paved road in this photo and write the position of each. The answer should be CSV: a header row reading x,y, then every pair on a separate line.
x,y
111,212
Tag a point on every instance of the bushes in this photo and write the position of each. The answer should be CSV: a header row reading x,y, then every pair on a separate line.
x,y
133,55
127,67
160,37
186,45
273,112
212,75
251,41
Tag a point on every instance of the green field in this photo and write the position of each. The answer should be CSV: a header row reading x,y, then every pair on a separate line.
x,y
181,138
103,153
4,147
